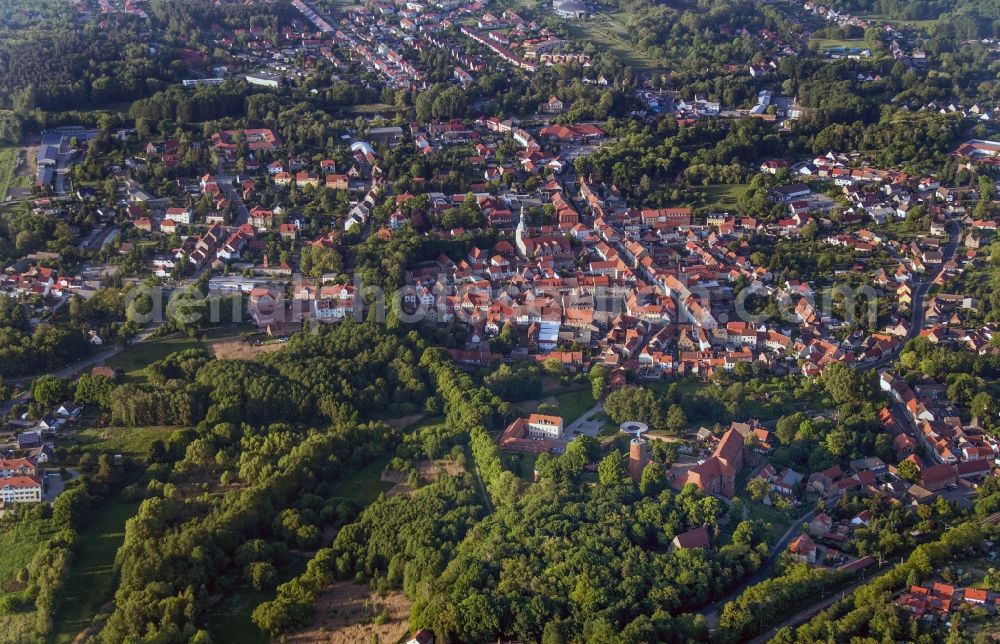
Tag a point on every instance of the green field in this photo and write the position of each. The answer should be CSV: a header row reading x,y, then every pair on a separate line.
x,y
19,543
133,360
8,163
573,404
374,108
830,43
881,17
132,442
775,522
366,484
91,581
721,196
607,31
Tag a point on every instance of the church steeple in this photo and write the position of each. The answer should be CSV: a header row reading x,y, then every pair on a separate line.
x,y
519,233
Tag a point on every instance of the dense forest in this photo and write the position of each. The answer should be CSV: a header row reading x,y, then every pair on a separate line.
x,y
252,480
539,566
54,64
963,19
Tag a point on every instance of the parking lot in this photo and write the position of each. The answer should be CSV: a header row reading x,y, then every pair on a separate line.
x,y
589,424
961,494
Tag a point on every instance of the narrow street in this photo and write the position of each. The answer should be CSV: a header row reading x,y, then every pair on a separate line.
x,y
920,291
239,208
73,369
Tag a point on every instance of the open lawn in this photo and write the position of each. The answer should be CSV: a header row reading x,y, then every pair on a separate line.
x,y
19,543
372,109
133,442
364,485
230,331
882,18
775,522
331,5
91,580
133,360
723,197
573,404
831,43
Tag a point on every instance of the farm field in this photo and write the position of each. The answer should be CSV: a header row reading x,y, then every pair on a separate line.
x,y
239,349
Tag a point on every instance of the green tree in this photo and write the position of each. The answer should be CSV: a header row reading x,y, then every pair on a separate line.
x,y
758,488
598,380
653,479
611,470
48,390
908,470
676,418
261,574
983,406
847,385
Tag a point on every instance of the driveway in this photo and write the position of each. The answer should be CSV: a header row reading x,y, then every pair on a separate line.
x,y
586,425
54,486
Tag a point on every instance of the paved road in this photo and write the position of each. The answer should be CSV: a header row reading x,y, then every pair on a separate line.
x,y
711,611
919,293
226,184
805,614
98,358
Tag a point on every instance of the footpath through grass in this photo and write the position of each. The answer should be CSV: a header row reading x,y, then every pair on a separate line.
x,y
91,580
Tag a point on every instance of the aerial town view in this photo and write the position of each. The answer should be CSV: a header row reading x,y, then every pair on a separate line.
x,y
470,321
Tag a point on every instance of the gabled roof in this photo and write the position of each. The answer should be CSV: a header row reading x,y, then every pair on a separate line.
x,y
697,538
